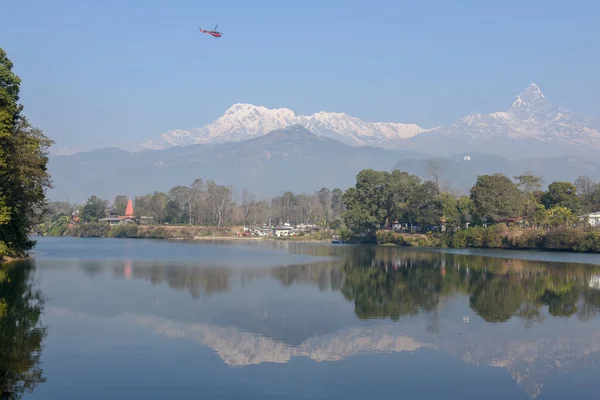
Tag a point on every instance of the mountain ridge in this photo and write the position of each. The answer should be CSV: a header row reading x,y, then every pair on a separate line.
x,y
531,125
244,121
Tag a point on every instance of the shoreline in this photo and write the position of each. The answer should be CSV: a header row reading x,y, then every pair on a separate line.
x,y
251,239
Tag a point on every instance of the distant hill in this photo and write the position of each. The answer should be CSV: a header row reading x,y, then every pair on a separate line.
x,y
461,170
288,159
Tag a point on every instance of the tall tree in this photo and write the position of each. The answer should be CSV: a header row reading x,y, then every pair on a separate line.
x,y
584,185
529,183
496,197
561,194
248,206
325,198
23,174
337,205
94,209
120,204
435,169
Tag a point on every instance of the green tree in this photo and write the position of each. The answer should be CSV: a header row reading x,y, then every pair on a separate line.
x,y
120,204
337,205
529,183
560,215
23,174
496,197
94,209
561,194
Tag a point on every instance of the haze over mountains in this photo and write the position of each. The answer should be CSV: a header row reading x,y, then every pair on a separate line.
x,y
271,151
532,126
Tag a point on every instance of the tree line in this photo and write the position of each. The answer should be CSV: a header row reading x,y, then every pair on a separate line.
x,y
380,199
208,203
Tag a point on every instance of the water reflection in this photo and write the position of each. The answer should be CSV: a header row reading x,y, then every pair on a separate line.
x,y
21,333
389,285
535,320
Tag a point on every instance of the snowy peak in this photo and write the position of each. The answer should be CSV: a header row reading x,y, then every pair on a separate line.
x,y
531,116
532,104
244,121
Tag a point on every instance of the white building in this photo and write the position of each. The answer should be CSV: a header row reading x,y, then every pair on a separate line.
x,y
593,219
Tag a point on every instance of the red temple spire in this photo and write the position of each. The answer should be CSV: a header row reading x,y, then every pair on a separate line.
x,y
129,209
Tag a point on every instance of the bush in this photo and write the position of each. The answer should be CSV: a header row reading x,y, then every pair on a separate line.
x,y
93,229
124,231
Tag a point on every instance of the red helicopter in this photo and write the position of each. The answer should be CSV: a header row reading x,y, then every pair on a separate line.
x,y
213,33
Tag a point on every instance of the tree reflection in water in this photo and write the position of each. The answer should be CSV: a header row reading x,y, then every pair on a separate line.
x,y
21,333
390,284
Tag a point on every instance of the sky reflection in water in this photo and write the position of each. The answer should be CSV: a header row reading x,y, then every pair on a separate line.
x,y
157,319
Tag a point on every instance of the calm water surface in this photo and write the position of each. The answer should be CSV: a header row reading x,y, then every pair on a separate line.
x,y
125,319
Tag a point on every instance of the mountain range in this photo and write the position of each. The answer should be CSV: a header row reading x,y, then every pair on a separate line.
x,y
287,159
532,126
246,121
291,159
272,151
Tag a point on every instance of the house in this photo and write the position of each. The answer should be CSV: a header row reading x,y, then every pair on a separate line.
x,y
113,217
283,230
593,219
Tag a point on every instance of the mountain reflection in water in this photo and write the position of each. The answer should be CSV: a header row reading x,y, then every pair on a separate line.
x,y
535,319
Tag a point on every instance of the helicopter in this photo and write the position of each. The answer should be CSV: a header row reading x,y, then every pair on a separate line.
x,y
213,33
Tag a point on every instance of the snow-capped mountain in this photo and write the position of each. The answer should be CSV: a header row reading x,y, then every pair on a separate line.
x,y
531,115
245,121
531,126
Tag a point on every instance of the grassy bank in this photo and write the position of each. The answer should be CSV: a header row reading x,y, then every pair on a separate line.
x,y
501,237
141,231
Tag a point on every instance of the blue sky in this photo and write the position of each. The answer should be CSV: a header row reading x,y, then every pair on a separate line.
x,y
98,73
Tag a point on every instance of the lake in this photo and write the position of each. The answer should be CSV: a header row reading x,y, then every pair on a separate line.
x,y
150,319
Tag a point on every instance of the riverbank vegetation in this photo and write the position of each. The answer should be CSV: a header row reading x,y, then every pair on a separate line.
x,y
384,207
402,209
23,175
202,209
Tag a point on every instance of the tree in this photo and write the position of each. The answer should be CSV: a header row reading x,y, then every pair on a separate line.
x,y
248,206
561,194
584,185
120,204
589,194
182,197
560,215
325,198
529,183
435,169
94,209
23,173
158,206
496,197
337,205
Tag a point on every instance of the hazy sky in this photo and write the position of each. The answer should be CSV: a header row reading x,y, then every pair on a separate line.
x,y
102,72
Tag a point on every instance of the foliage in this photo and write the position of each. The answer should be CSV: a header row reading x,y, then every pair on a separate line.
x,y
380,198
23,174
21,333
94,209
496,197
120,204
123,231
383,283
562,194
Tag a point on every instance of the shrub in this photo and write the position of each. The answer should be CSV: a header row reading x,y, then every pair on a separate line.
x,y
124,231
